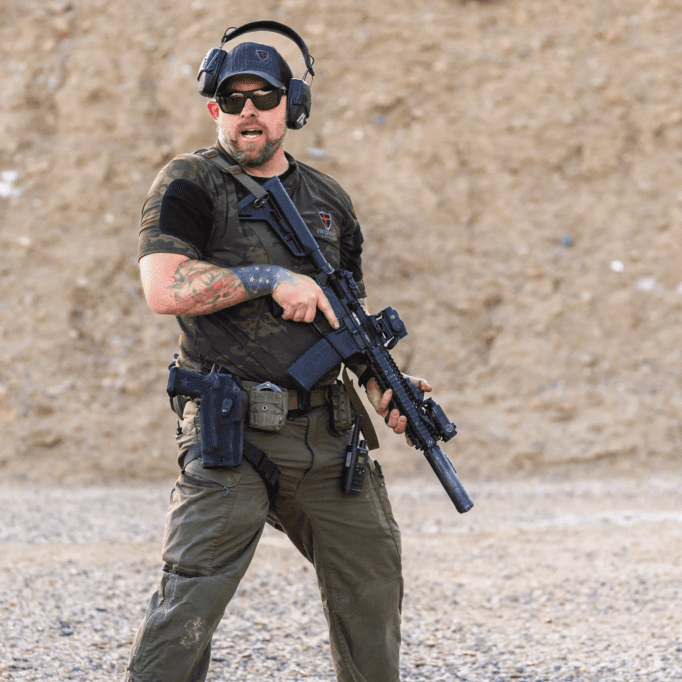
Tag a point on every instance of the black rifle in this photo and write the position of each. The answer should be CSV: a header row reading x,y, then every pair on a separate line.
x,y
361,337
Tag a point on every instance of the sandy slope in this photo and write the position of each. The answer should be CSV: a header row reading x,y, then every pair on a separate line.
x,y
515,165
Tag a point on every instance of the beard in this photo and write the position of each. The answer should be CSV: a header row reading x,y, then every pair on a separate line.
x,y
252,158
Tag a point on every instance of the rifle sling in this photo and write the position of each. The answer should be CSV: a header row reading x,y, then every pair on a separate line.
x,y
366,425
237,172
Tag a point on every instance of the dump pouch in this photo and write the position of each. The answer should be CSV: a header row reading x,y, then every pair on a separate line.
x,y
268,407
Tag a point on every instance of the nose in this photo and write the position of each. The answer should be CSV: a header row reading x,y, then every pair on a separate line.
x,y
249,108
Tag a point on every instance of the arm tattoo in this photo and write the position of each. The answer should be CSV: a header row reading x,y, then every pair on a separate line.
x,y
259,280
202,288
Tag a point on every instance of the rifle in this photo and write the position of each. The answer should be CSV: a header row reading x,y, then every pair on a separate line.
x,y
363,337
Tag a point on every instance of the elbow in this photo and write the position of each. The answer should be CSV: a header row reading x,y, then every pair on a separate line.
x,y
163,305
157,272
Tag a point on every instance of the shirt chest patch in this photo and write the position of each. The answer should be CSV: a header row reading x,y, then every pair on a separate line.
x,y
327,228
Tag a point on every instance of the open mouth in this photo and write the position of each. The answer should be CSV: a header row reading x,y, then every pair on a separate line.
x,y
251,133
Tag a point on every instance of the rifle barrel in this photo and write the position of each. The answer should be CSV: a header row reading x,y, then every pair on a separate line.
x,y
447,475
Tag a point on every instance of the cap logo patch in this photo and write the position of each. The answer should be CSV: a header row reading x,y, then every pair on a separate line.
x,y
326,219
262,54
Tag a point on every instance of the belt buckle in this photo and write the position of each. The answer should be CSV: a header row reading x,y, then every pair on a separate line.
x,y
268,386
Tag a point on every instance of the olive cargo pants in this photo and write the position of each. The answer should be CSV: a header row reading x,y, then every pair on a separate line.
x,y
214,522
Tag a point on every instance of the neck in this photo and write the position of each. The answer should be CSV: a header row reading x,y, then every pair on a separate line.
x,y
276,165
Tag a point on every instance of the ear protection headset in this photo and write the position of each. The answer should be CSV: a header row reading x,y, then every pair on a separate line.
x,y
299,96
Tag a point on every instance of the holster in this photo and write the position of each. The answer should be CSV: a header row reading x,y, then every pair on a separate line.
x,y
226,414
223,411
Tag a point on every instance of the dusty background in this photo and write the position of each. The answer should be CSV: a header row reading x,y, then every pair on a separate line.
x,y
516,166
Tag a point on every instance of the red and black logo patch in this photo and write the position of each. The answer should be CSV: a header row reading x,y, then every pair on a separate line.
x,y
262,54
326,219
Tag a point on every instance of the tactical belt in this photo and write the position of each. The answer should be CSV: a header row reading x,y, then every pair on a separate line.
x,y
298,400
302,401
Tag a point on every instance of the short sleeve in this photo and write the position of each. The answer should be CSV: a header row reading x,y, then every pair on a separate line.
x,y
177,215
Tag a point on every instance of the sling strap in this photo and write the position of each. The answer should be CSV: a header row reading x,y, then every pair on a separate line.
x,y
368,431
214,156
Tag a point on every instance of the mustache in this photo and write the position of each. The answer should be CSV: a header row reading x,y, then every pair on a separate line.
x,y
251,126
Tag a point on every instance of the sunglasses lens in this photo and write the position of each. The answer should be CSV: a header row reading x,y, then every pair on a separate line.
x,y
267,100
231,104
263,100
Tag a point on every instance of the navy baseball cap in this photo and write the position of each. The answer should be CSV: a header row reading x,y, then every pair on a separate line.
x,y
254,59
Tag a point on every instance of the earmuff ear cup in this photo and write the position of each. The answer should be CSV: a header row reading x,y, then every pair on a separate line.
x,y
209,71
299,103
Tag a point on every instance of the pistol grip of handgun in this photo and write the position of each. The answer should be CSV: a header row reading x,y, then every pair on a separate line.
x,y
181,382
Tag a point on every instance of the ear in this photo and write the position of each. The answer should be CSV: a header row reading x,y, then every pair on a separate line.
x,y
213,109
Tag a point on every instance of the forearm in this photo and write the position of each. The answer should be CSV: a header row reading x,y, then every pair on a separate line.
x,y
200,288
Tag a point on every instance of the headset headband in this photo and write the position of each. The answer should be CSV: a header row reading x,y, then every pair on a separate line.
x,y
275,27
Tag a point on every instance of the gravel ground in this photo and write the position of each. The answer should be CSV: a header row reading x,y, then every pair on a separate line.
x,y
542,580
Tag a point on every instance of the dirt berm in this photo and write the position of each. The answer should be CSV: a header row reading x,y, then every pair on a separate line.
x,y
516,167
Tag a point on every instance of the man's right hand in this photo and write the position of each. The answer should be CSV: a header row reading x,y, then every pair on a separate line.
x,y
299,297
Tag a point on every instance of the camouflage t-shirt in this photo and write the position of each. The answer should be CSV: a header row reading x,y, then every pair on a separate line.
x,y
191,209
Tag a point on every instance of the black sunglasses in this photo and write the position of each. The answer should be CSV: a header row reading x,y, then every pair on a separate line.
x,y
264,100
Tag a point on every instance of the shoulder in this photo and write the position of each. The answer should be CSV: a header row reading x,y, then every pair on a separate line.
x,y
318,177
190,167
324,186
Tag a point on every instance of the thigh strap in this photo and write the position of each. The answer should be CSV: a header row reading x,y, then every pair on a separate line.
x,y
263,465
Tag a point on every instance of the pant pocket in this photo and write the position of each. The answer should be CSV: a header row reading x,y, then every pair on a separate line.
x,y
379,484
201,506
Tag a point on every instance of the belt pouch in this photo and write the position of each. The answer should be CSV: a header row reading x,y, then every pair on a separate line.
x,y
268,407
341,410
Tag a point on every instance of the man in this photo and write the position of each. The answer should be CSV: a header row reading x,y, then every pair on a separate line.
x,y
245,305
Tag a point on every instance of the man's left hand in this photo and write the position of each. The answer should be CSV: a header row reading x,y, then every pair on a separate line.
x,y
380,401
